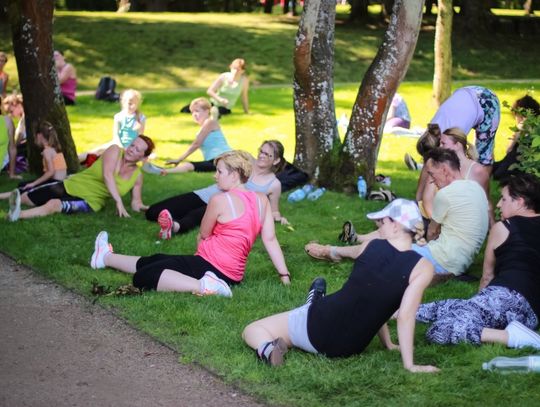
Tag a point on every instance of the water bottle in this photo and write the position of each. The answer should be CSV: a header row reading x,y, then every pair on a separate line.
x,y
313,196
362,187
523,364
300,193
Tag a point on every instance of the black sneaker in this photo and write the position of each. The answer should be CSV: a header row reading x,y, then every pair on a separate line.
x,y
317,290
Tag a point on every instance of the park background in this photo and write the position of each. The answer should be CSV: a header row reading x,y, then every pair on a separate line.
x,y
171,58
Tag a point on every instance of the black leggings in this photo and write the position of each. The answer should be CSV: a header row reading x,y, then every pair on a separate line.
x,y
186,209
43,193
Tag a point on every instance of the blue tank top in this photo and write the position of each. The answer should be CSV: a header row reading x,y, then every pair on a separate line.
x,y
251,186
214,144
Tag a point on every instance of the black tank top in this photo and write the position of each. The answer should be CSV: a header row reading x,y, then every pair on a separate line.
x,y
343,323
517,260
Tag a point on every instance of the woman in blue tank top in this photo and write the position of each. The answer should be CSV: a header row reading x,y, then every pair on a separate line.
x,y
387,276
210,140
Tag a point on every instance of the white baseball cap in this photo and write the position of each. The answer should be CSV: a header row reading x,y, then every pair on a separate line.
x,y
400,210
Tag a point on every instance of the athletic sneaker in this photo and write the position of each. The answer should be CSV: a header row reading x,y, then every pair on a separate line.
x,y
213,285
14,205
166,223
410,162
317,290
102,247
519,336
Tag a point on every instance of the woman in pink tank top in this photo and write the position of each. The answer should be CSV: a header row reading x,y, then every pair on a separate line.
x,y
229,228
67,76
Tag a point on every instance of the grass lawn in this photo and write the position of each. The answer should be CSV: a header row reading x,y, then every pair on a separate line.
x,y
207,330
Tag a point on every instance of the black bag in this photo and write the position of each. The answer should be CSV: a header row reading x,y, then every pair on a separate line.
x,y
106,90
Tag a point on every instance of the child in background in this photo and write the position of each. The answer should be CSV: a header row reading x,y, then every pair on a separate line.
x,y
209,139
54,164
128,124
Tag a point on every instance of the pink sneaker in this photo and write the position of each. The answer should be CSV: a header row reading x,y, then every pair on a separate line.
x,y
166,223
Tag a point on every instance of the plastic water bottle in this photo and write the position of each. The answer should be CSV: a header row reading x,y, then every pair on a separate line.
x,y
313,196
300,193
523,364
362,187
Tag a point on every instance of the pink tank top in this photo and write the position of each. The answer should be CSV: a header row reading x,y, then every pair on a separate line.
x,y
228,247
68,88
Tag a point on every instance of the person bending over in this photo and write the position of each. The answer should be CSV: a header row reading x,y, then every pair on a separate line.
x,y
386,275
230,226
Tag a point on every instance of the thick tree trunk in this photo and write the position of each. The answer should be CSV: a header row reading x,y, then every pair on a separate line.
x,y
31,26
359,10
315,118
442,76
268,5
474,16
358,155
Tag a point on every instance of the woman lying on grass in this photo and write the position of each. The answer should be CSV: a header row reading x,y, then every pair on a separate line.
x,y
182,213
113,175
232,221
386,275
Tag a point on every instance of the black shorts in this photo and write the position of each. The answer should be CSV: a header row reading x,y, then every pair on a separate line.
x,y
204,166
149,269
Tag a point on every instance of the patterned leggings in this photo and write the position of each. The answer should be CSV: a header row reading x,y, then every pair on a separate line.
x,y
485,131
456,320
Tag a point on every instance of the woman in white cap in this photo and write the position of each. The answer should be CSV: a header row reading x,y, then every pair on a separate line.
x,y
387,275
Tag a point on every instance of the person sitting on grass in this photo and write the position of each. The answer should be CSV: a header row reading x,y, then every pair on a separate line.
x,y
112,176
182,213
209,139
507,307
230,226
128,124
54,164
459,221
386,275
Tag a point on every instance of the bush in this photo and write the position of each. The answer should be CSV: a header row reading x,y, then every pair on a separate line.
x,y
529,145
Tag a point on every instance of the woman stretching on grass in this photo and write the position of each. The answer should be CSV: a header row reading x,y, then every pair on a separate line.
x,y
54,164
209,139
182,213
386,275
230,226
112,176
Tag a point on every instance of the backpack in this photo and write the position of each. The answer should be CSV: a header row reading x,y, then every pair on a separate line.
x,y
106,90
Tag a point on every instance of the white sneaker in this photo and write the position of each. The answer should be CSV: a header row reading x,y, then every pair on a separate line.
x,y
14,205
102,247
410,162
519,336
212,285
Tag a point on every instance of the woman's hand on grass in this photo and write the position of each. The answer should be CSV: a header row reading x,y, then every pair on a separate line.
x,y
423,369
285,279
121,210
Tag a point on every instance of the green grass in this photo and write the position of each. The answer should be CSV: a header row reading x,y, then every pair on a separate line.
x,y
156,54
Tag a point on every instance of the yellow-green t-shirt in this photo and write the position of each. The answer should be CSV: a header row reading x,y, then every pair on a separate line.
x,y
90,185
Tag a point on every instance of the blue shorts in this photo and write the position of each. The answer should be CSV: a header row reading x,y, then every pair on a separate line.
x,y
426,253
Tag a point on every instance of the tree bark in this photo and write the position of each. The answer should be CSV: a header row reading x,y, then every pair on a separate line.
x,y
31,26
442,76
359,10
315,118
475,16
358,155
268,5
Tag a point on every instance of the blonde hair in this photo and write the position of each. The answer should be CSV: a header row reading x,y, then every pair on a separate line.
x,y
236,161
458,136
131,94
203,103
14,99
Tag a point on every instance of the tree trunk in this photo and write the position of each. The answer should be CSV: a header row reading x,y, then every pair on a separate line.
x,y
358,155
475,16
268,5
442,76
315,118
31,26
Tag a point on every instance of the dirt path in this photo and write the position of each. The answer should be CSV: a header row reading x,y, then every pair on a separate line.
x,y
57,349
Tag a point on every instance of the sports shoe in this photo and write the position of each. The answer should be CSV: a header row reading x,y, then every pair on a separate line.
x,y
102,247
348,234
519,336
410,162
317,290
213,285
14,205
166,223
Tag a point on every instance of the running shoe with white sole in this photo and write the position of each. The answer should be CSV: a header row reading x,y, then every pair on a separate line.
x,y
102,247
166,223
410,162
213,285
14,205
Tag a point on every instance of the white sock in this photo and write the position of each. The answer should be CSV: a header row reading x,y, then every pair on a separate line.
x,y
265,349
